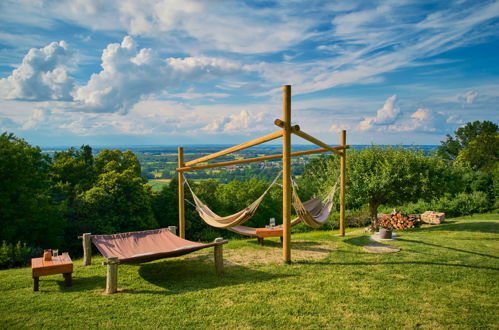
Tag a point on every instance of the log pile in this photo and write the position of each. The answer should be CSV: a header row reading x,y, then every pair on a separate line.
x,y
397,220
433,218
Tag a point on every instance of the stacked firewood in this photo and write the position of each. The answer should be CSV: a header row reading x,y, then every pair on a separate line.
x,y
397,220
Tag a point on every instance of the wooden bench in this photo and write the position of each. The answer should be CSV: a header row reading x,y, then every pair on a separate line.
x,y
58,265
261,233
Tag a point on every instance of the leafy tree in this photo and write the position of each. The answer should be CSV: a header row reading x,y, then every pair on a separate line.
x,y
27,211
379,175
481,153
119,202
73,171
451,147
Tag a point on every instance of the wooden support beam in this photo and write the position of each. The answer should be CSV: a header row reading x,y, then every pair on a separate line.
x,y
219,257
260,140
286,174
256,159
87,249
343,157
316,141
181,206
112,275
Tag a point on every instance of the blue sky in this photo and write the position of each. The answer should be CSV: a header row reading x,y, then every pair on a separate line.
x,y
165,72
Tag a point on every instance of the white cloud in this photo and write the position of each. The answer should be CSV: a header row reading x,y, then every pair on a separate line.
x,y
386,115
129,75
241,123
468,97
42,75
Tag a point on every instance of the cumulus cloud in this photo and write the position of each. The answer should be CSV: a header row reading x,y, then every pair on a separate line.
x,y
242,122
43,75
386,115
130,74
39,116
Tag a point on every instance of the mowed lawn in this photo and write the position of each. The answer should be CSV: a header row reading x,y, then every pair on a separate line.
x,y
445,276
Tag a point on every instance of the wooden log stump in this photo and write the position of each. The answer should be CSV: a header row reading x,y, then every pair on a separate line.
x,y
112,275
87,248
219,259
172,229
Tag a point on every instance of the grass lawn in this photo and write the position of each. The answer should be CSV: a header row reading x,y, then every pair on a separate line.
x,y
445,276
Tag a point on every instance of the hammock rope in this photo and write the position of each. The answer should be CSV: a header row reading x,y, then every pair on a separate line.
x,y
236,219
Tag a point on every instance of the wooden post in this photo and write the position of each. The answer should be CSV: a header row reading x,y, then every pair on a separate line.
x,y
181,206
87,249
172,229
343,157
112,275
219,258
286,174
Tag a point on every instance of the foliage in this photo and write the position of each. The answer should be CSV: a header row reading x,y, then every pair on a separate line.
x,y
451,147
13,255
379,175
27,210
481,153
458,205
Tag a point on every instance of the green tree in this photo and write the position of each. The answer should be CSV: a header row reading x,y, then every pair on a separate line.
x,y
379,175
119,202
481,153
27,210
451,147
73,171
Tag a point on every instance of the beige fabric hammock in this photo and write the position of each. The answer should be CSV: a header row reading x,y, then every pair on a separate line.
x,y
314,212
232,220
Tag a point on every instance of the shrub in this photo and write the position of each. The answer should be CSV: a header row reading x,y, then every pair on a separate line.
x,y
13,256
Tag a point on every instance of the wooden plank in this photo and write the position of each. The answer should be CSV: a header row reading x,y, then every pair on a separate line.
x,y
256,159
286,174
316,141
260,140
181,196
343,141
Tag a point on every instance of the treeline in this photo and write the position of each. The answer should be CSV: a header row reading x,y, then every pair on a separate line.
x,y
46,202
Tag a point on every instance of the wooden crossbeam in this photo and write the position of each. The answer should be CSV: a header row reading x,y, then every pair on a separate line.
x,y
256,159
260,140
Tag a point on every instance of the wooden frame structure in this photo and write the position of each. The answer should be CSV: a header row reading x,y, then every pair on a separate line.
x,y
286,130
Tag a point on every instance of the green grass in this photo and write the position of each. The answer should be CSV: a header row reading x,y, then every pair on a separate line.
x,y
445,277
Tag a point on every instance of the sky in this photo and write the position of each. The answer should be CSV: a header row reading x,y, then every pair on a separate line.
x,y
168,72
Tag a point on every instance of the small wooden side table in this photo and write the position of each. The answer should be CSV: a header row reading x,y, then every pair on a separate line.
x,y
58,265
261,233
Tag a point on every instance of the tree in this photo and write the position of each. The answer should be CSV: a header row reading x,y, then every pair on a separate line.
x,y
379,175
73,172
27,211
481,153
451,147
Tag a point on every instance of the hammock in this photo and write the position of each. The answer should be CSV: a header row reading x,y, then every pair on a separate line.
x,y
232,220
314,212
144,246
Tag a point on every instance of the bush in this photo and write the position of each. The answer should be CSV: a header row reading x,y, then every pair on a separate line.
x,y
453,206
13,256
